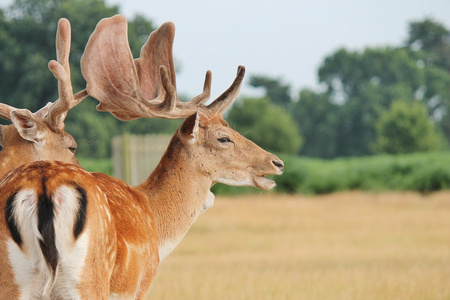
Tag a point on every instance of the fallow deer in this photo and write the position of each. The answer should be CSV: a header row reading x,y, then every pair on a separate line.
x,y
71,234
41,136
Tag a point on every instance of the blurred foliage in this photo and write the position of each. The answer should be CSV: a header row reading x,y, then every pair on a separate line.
x,y
357,113
268,125
318,123
27,41
421,172
100,165
276,91
405,128
432,38
360,86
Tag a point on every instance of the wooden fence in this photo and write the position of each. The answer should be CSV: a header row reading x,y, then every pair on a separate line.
x,y
136,156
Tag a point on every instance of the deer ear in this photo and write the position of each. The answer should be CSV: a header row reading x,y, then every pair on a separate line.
x,y
27,126
191,127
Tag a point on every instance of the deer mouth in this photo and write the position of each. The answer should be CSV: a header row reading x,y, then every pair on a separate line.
x,y
264,183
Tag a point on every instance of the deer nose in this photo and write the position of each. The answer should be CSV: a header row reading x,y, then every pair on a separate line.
x,y
279,164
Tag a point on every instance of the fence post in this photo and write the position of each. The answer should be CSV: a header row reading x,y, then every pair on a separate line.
x,y
136,156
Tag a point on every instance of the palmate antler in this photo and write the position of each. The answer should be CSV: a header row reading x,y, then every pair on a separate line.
x,y
145,87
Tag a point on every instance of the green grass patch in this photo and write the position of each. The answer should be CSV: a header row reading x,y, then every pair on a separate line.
x,y
422,172
102,165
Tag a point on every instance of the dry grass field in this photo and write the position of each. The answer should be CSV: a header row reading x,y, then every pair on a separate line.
x,y
343,246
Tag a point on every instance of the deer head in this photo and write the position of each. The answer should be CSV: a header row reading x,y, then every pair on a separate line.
x,y
221,152
41,135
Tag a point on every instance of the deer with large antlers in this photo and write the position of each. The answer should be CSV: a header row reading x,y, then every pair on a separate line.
x,y
41,136
71,234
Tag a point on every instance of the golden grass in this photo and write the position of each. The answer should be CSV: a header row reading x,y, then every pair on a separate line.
x,y
343,246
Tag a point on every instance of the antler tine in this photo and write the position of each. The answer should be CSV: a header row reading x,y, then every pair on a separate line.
x,y
204,96
170,107
225,100
61,70
41,113
170,100
5,111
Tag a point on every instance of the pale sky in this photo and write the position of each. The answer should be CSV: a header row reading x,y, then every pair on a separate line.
x,y
278,38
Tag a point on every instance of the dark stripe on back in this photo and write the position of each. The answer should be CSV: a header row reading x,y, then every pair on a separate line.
x,y
46,228
11,221
81,214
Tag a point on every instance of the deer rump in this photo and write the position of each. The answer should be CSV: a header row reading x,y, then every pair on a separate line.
x,y
45,222
64,227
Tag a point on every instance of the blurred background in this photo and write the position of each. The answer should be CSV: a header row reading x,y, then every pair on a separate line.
x,y
352,95
343,92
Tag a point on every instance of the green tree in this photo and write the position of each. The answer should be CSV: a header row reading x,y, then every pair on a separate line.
x,y
276,91
317,120
366,83
266,124
27,42
405,128
433,39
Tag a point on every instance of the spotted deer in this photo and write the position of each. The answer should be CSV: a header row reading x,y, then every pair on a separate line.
x,y
41,135
71,234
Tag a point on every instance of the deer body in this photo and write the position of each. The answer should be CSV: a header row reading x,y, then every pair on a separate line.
x,y
71,234
127,231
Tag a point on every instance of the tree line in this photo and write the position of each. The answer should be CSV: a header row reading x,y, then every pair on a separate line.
x,y
392,99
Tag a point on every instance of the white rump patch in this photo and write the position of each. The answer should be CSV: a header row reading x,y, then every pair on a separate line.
x,y
72,254
29,267
31,271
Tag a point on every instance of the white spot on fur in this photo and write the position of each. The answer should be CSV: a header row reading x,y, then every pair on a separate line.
x,y
6,178
127,254
5,162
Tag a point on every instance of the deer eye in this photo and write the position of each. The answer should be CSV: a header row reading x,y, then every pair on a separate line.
x,y
224,140
73,149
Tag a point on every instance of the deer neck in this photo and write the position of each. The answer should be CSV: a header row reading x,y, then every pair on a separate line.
x,y
178,193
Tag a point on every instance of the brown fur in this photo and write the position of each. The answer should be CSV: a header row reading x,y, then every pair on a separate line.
x,y
143,218
17,151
